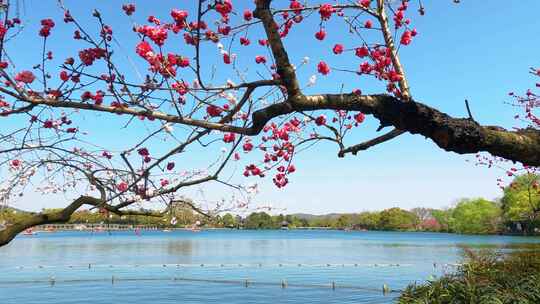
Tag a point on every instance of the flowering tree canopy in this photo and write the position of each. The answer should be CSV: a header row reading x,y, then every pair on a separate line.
x,y
175,99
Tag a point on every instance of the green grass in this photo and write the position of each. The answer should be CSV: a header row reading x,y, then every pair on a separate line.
x,y
486,277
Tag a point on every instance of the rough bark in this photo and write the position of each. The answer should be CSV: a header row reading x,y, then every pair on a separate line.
x,y
458,135
62,216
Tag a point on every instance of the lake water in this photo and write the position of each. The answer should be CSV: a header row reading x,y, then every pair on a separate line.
x,y
222,266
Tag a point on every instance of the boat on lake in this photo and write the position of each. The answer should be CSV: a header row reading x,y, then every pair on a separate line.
x,y
29,231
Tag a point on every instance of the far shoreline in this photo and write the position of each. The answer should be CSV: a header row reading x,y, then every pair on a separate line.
x,y
201,229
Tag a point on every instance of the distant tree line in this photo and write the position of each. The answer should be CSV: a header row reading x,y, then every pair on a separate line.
x,y
477,216
518,212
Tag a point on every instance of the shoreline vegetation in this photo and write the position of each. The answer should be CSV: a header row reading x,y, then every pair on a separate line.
x,y
469,216
485,276
517,212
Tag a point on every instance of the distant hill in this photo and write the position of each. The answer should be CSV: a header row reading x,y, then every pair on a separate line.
x,y
307,216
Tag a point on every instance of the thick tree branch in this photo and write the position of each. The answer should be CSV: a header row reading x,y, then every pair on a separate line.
x,y
389,41
451,134
62,216
402,83
283,64
460,135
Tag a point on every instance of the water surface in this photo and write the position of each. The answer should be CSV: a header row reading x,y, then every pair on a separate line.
x,y
222,266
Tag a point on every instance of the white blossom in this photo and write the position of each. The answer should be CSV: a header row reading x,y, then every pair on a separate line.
x,y
168,128
231,98
312,80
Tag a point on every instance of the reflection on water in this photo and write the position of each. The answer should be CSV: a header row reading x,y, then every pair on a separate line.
x,y
368,259
182,248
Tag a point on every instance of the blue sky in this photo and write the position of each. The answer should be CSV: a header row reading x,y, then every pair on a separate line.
x,y
479,50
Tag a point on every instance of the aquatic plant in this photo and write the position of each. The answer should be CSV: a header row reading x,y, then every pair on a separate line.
x,y
486,276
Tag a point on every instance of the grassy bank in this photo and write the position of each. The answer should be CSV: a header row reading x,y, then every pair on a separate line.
x,y
485,277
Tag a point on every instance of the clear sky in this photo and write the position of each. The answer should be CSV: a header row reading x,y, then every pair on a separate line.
x,y
479,50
